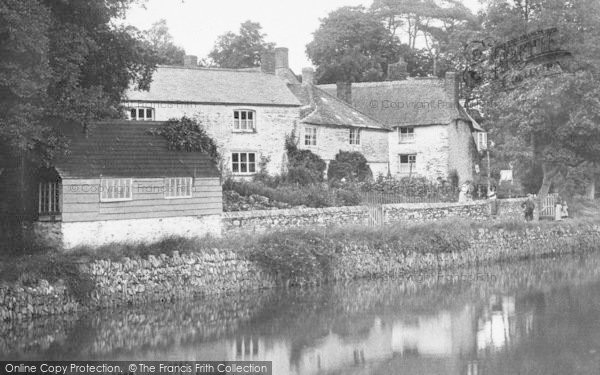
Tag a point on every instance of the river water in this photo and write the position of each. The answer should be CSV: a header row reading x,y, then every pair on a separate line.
x,y
532,317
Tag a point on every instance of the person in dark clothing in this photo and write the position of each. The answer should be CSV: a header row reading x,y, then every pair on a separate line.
x,y
528,207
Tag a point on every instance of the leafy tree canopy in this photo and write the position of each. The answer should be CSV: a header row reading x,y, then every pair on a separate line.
x,y
64,61
551,123
241,50
351,44
161,41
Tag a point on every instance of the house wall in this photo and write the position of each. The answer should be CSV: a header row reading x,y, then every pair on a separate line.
x,y
431,147
461,149
273,123
332,139
81,201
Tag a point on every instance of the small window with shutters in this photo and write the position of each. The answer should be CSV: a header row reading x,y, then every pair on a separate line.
x,y
178,187
49,198
116,189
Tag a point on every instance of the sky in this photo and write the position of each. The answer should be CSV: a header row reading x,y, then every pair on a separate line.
x,y
196,24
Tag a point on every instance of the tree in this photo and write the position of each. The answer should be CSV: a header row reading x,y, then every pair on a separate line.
x,y
351,44
241,50
549,122
60,62
351,166
443,26
161,41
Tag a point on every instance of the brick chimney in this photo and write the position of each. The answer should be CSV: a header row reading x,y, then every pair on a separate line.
x,y
281,58
397,71
451,86
190,61
344,91
267,62
308,76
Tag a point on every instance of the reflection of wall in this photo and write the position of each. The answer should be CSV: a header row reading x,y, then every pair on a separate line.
x,y
440,335
497,327
259,348
334,352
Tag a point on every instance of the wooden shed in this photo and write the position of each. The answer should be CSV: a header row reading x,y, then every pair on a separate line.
x,y
122,183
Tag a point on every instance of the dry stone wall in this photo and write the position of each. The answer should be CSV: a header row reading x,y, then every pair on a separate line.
x,y
169,278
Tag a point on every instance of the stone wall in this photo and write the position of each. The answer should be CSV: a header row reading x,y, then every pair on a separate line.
x,y
431,147
272,125
331,139
67,235
259,221
168,278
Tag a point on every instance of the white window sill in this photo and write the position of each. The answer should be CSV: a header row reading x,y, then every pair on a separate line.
x,y
115,200
49,218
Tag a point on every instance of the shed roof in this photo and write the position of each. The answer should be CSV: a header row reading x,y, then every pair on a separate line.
x,y
321,108
416,101
128,149
218,86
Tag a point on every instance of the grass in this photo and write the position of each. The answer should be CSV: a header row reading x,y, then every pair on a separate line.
x,y
300,255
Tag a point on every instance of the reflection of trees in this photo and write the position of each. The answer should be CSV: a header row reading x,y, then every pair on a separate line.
x,y
303,317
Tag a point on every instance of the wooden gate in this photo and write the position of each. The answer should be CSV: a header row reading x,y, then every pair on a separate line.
x,y
375,215
548,206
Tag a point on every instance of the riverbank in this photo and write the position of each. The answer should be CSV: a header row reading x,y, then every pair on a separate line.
x,y
177,269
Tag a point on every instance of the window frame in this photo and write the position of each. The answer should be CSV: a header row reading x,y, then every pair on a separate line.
x,y
354,140
189,188
247,162
104,189
409,169
45,199
310,136
237,122
410,134
139,110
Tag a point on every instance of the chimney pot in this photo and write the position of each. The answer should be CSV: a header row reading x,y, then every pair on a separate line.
x,y
308,76
451,86
267,62
190,61
281,58
344,91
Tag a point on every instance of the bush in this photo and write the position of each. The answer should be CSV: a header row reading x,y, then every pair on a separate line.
x,y
351,166
304,166
348,197
296,256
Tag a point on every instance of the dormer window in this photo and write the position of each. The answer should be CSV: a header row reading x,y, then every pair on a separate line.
x,y
141,114
244,120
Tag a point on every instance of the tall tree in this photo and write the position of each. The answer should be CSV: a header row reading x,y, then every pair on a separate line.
x,y
161,41
549,122
352,44
241,50
60,61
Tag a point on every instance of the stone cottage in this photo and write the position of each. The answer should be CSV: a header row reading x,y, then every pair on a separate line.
x,y
121,183
248,112
432,134
329,125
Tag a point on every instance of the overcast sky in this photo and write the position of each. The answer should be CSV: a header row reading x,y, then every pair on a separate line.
x,y
196,24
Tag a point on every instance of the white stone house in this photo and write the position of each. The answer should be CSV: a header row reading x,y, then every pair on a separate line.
x,y
329,125
247,112
432,134
121,183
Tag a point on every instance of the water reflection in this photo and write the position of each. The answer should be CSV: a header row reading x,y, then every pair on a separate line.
x,y
539,317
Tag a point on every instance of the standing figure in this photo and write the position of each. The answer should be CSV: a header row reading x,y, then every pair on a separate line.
x,y
528,207
558,211
565,210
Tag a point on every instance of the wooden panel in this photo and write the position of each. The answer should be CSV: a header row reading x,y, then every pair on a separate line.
x,y
161,204
130,216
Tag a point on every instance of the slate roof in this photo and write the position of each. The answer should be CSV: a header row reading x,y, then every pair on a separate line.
x,y
321,108
223,86
127,149
416,101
